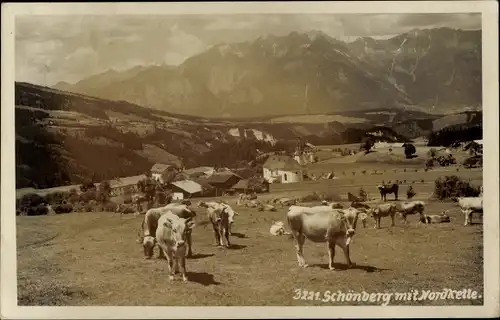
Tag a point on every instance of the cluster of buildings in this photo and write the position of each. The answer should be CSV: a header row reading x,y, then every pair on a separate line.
x,y
207,181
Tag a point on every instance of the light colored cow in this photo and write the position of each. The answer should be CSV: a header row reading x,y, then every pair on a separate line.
x,y
381,211
150,223
333,205
336,227
214,205
278,229
171,235
468,205
410,208
219,218
435,218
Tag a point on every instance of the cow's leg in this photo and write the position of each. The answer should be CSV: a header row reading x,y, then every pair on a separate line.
x,y
379,218
183,268
226,235
189,244
176,263
220,229
392,219
347,255
300,239
217,235
161,253
331,253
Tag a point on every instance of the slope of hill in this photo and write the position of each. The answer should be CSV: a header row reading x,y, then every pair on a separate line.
x,y
63,138
307,73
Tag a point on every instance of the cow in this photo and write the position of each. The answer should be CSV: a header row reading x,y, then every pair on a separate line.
x,y
336,227
468,205
219,218
284,201
214,204
333,205
172,234
410,208
388,189
435,218
150,223
383,210
278,229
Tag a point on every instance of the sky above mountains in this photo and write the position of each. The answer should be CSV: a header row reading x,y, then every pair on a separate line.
x,y
50,49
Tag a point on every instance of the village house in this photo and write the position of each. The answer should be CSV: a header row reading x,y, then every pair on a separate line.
x,y
198,172
185,189
282,169
159,169
223,181
124,185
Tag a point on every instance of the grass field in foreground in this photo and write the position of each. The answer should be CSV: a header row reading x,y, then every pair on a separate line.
x,y
92,259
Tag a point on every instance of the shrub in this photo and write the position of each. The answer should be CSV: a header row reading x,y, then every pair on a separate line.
x,y
87,185
30,200
88,196
409,150
63,208
452,186
429,163
432,153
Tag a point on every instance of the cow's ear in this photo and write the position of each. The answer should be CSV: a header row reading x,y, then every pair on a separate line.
x,y
190,224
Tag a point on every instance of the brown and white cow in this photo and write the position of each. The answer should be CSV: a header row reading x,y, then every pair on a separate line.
x,y
381,211
150,223
214,205
219,217
171,235
411,208
336,227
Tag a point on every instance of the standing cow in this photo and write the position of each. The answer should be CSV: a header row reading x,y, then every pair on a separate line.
x,y
171,235
150,223
322,224
388,189
218,215
383,210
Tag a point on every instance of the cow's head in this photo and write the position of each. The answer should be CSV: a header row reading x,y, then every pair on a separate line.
x,y
148,244
350,219
180,229
381,186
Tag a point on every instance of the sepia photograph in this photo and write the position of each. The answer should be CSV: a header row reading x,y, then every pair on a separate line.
x,y
254,154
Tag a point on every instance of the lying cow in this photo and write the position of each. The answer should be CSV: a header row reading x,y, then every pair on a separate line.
x,y
171,235
381,211
435,218
333,205
278,229
388,189
411,208
150,223
322,224
469,205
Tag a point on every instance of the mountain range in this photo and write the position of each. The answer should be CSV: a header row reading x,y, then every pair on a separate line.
x,y
431,70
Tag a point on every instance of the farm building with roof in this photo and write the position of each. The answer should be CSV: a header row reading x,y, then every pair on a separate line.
x,y
283,169
223,181
186,189
159,169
